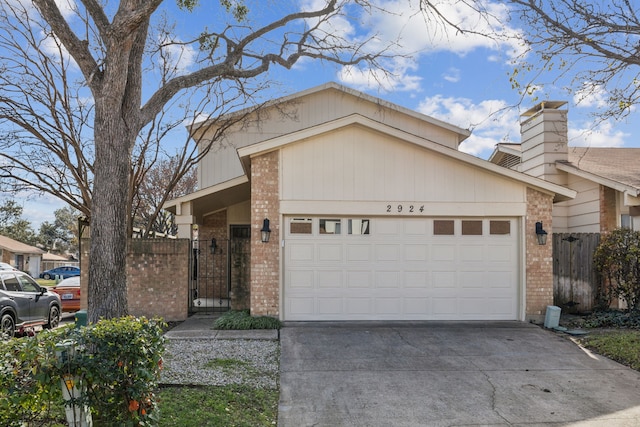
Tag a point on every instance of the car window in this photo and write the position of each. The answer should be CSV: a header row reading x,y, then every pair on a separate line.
x,y
28,285
11,282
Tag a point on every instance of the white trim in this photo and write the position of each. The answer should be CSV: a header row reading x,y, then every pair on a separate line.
x,y
206,192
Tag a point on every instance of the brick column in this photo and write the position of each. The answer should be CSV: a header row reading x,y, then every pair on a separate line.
x,y
265,257
608,214
538,258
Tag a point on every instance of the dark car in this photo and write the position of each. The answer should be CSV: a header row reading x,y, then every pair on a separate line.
x,y
69,291
63,272
25,304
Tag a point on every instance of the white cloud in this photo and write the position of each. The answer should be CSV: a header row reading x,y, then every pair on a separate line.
x,y
491,121
414,37
604,135
452,75
177,57
591,95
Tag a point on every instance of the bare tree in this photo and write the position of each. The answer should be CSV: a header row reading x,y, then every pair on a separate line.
x,y
112,55
148,215
591,48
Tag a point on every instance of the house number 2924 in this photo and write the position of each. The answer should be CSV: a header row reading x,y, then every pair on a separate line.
x,y
400,208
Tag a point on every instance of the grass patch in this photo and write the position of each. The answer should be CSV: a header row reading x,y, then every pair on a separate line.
x,y
217,406
621,346
242,320
47,283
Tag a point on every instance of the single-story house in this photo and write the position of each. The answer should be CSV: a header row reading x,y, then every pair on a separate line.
x,y
606,180
50,261
370,212
21,256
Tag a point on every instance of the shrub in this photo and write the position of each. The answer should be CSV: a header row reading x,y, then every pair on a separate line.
x,y
119,360
242,319
617,260
30,391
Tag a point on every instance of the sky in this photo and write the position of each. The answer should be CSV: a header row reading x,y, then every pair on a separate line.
x,y
462,79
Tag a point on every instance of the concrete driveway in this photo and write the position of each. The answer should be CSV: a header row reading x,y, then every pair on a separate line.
x,y
448,374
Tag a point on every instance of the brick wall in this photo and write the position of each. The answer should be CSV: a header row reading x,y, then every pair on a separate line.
x,y
265,257
538,258
157,277
608,213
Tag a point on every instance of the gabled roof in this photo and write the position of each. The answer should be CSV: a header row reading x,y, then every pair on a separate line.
x,y
18,247
617,168
462,133
245,153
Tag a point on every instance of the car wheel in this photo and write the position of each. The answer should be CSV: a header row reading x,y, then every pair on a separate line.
x,y
47,277
7,326
54,317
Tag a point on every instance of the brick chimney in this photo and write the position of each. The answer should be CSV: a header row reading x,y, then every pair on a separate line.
x,y
543,131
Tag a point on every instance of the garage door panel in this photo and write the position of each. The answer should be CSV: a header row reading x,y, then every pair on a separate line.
x,y
329,279
300,306
387,279
444,252
416,228
300,279
359,253
388,252
358,306
416,252
445,306
387,306
330,252
359,279
416,279
301,252
401,270
500,253
328,306
416,306
470,253
443,279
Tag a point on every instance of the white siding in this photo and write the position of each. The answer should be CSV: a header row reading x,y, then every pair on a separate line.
x,y
582,214
358,164
222,163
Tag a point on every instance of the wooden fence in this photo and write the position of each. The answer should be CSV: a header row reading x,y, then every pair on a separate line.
x,y
575,283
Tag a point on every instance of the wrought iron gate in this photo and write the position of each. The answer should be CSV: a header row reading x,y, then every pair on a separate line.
x,y
218,267
208,287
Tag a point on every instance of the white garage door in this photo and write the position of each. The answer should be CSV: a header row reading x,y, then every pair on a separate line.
x,y
400,269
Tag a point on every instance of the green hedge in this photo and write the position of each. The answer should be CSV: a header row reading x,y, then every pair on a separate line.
x,y
242,320
119,360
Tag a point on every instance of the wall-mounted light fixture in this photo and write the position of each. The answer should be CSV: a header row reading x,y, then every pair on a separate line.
x,y
265,232
214,245
541,234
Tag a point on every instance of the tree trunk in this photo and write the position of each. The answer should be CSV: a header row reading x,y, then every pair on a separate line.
x,y
107,267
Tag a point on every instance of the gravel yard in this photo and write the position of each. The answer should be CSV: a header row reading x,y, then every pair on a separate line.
x,y
203,361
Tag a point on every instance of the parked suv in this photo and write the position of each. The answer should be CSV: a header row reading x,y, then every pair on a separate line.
x,y
24,304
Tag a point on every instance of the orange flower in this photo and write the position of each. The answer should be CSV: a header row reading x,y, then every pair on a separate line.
x,y
133,405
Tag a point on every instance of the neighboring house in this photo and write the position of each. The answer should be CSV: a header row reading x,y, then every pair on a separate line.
x,y
373,214
606,180
21,256
50,261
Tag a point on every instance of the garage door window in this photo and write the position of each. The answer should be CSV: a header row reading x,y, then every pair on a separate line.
x,y
300,226
500,227
443,227
358,226
330,226
471,228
